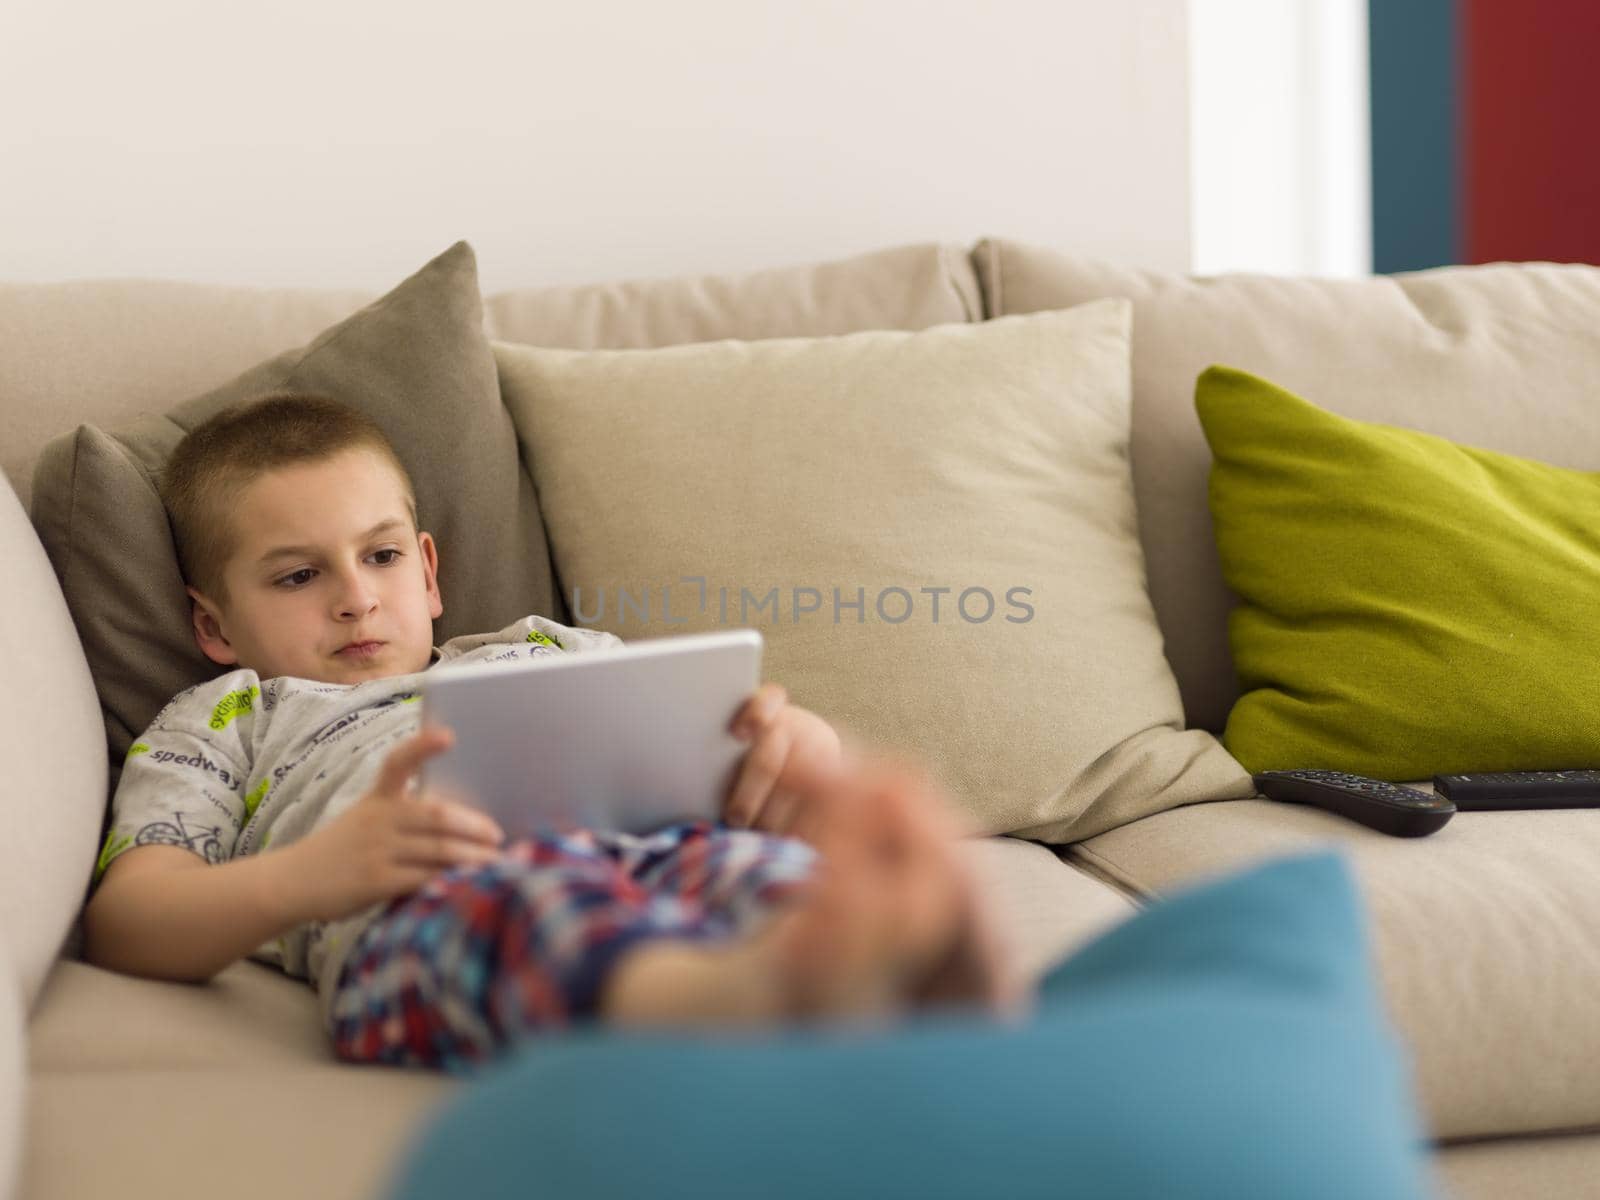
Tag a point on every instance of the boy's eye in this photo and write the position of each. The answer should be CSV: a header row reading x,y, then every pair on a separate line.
x,y
304,574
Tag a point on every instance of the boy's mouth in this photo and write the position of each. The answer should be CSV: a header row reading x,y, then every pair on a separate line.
x,y
361,650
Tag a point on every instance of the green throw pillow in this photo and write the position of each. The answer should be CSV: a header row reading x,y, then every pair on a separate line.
x,y
1408,606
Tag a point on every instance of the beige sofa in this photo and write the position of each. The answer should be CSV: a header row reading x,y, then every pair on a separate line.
x,y
1485,937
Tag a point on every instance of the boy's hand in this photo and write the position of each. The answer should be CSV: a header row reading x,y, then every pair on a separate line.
x,y
389,842
791,750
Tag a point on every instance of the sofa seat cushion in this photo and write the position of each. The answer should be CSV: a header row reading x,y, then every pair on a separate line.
x,y
1486,942
167,1074
1563,1164
329,1132
1043,908
251,1014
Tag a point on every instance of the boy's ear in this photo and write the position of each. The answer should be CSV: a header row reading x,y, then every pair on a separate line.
x,y
208,635
430,571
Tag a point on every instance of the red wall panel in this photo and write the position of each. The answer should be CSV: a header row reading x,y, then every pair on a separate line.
x,y
1531,130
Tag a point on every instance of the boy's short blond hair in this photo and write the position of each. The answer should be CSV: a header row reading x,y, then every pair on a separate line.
x,y
226,453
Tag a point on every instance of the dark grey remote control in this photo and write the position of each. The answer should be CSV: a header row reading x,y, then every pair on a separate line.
x,y
1521,789
1386,807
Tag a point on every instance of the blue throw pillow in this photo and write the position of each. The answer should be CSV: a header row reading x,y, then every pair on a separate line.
x,y
1225,1043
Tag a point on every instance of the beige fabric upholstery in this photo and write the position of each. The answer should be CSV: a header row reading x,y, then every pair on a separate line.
x,y
157,1077
903,287
330,1132
103,351
13,1077
55,775
138,1154
1503,357
818,471
1558,1167
1484,932
163,1071
1043,912
251,1015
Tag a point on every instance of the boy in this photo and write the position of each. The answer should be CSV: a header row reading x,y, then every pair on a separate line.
x,y
273,812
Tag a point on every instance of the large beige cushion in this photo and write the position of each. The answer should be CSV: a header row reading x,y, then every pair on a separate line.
x,y
1504,357
55,776
1485,938
811,474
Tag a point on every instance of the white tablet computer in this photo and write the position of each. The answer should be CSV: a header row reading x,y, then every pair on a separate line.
x,y
629,739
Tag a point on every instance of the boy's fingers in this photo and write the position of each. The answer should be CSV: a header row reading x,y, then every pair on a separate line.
x,y
778,813
762,765
404,760
762,706
448,819
435,850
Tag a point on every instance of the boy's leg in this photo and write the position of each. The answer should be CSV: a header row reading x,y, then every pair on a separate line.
x,y
736,877
884,916
879,917
480,957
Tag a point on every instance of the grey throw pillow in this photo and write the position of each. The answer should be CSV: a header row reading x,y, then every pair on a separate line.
x,y
418,361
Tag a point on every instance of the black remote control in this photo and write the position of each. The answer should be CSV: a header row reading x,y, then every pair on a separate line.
x,y
1521,789
1386,807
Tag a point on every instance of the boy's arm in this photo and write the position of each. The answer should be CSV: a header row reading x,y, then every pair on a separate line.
x,y
164,912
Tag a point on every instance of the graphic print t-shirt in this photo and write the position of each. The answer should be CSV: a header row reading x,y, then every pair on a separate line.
x,y
237,764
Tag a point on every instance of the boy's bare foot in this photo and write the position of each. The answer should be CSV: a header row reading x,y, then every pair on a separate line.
x,y
890,921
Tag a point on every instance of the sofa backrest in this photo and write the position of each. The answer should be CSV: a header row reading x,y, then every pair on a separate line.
x,y
102,352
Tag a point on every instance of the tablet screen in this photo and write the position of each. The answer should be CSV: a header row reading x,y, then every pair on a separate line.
x,y
628,739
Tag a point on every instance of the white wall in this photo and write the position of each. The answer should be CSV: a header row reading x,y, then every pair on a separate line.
x,y
1280,146
343,142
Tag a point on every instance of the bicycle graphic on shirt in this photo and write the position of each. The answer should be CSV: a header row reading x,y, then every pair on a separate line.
x,y
206,840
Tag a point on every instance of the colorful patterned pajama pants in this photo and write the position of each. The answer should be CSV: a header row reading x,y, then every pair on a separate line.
x,y
480,957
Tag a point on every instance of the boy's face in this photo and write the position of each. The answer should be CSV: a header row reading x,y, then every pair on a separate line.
x,y
340,579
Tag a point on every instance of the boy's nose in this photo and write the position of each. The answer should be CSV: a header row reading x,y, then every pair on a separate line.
x,y
356,601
